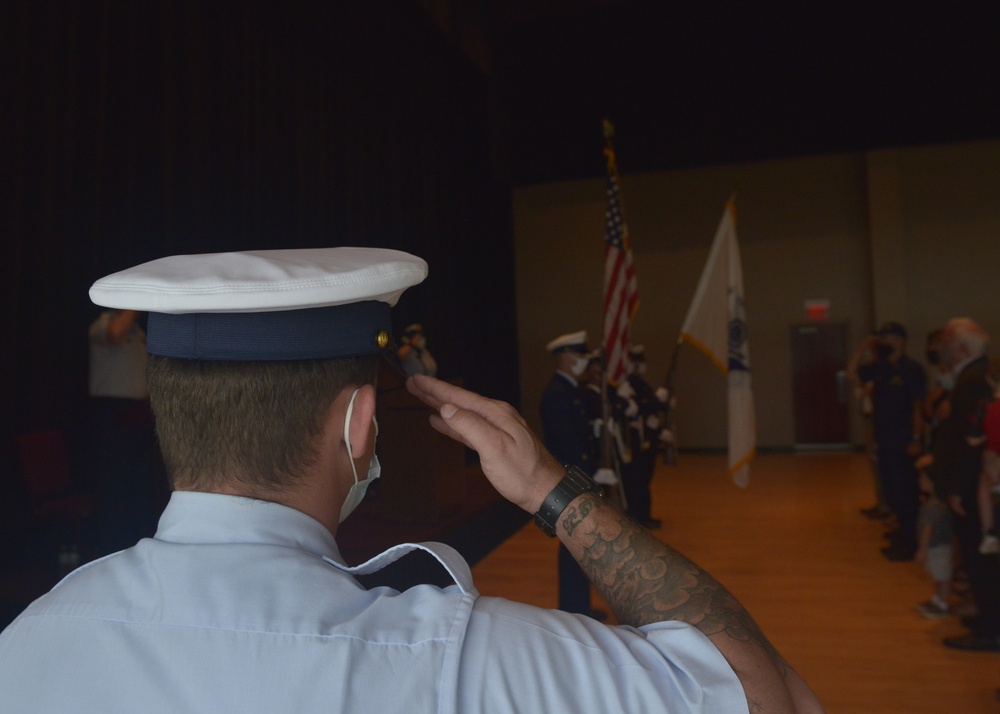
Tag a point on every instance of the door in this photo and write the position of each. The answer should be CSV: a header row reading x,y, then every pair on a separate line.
x,y
819,384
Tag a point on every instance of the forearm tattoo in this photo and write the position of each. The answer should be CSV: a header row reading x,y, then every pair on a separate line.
x,y
646,581
576,514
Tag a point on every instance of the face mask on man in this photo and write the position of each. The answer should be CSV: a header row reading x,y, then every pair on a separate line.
x,y
578,367
357,493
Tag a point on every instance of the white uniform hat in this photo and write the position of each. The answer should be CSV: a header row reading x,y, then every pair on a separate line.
x,y
314,303
572,342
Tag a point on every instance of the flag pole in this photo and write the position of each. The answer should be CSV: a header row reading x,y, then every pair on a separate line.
x,y
612,158
609,148
621,298
611,457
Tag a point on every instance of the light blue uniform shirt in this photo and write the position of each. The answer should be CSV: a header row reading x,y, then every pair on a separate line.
x,y
240,605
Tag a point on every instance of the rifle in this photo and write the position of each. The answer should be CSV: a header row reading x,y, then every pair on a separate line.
x,y
670,446
616,494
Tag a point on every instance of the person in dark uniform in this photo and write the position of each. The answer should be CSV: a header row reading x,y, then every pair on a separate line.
x,y
569,436
644,434
897,386
591,382
593,402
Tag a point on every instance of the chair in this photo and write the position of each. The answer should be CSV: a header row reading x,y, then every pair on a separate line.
x,y
47,476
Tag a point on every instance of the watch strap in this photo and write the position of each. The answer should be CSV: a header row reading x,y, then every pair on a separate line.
x,y
572,485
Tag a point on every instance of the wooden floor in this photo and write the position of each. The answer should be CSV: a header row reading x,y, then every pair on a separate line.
x,y
796,551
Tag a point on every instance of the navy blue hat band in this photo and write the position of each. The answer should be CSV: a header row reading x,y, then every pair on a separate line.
x,y
333,332
578,349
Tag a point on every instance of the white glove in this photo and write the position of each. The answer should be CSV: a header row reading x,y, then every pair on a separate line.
x,y
632,409
606,477
652,421
625,390
667,436
662,394
596,425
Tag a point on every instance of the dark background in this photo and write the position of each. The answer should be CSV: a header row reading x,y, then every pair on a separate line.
x,y
133,130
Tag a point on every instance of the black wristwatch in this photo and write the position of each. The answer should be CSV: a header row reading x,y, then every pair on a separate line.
x,y
572,485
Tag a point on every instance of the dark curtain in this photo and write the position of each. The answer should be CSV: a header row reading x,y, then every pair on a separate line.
x,y
133,130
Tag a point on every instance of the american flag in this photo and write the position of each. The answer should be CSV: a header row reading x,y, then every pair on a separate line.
x,y
621,291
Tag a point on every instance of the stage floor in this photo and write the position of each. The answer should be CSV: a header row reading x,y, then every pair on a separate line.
x,y
794,548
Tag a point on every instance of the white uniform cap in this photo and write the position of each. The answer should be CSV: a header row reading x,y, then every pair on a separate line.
x,y
572,342
638,351
313,303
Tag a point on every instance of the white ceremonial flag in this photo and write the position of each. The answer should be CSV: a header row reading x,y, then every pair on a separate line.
x,y
716,325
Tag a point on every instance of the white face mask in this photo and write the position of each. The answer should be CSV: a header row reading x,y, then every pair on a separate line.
x,y
357,493
579,366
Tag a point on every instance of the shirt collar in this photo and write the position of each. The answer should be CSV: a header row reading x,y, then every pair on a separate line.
x,y
198,517
963,364
567,378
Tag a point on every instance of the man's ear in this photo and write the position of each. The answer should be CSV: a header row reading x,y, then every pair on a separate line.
x,y
362,419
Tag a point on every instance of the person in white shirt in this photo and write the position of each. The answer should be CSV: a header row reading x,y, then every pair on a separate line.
x,y
127,467
242,603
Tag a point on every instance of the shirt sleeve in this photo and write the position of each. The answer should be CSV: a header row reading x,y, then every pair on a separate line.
x,y
520,658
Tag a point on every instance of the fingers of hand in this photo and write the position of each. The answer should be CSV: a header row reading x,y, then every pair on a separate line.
x,y
473,429
424,389
442,426
436,394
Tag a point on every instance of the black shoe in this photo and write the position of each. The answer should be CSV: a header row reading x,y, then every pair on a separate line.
x,y
973,643
899,553
875,513
970,621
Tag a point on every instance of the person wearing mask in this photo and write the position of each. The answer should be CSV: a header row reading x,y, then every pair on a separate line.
x,y
263,389
413,354
897,386
568,434
645,429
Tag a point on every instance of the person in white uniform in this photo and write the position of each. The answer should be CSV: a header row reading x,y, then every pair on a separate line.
x,y
261,379
413,355
127,469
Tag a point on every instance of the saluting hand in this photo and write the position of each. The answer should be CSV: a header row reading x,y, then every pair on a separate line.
x,y
512,457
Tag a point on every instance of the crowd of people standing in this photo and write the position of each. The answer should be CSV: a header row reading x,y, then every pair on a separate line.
x,y
936,447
